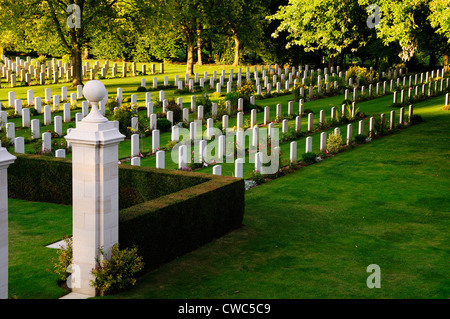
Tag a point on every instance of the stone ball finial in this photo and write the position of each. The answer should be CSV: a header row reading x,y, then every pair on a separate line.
x,y
94,91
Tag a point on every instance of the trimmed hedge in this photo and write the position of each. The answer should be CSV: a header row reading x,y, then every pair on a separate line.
x,y
49,179
165,213
175,224
40,179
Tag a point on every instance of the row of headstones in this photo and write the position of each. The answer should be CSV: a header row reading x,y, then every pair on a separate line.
x,y
200,114
19,142
55,70
47,111
217,169
287,83
439,86
19,145
114,69
25,69
254,134
37,101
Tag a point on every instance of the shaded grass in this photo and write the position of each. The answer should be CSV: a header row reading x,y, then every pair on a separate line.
x,y
310,234
32,226
313,233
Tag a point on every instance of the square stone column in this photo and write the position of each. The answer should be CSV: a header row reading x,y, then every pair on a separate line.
x,y
95,189
5,160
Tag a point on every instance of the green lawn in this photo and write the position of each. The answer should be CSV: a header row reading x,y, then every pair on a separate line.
x,y
32,226
313,233
310,234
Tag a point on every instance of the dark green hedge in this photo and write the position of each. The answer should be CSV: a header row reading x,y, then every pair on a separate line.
x,y
166,213
40,179
48,179
175,224
140,184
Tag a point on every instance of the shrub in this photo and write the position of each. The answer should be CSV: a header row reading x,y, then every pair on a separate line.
x,y
360,139
117,273
6,141
360,73
41,59
247,89
334,143
163,125
233,97
11,114
33,111
176,110
141,89
257,177
203,99
64,259
416,119
170,145
309,157
381,126
123,115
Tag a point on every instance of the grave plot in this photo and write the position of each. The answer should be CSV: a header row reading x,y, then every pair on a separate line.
x,y
155,126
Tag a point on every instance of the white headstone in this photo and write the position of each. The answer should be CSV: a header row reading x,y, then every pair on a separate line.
x,y
160,159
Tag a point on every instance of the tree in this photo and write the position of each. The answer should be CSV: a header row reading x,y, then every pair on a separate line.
x,y
51,20
243,21
416,25
177,19
327,25
440,19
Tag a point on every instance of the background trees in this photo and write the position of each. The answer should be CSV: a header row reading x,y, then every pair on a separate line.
x,y
316,32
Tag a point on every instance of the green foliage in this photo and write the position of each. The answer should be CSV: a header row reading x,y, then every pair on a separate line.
x,y
334,143
123,115
141,89
176,110
381,126
11,114
203,99
5,141
170,145
309,157
118,272
314,26
360,138
163,125
213,206
112,104
257,177
40,179
233,97
64,259
416,119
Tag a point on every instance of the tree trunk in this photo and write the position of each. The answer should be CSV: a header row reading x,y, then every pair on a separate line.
x,y
199,45
432,61
86,51
190,58
446,60
331,62
77,63
236,50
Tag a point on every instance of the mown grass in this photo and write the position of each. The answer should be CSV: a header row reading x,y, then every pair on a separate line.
x,y
313,233
310,234
32,226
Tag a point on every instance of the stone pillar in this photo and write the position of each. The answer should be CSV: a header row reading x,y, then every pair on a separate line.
x,y
5,160
95,187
